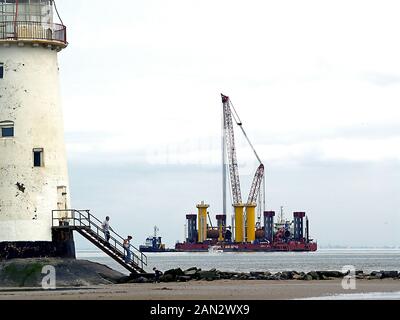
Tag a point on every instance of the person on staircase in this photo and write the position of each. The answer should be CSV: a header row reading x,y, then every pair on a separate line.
x,y
128,254
106,229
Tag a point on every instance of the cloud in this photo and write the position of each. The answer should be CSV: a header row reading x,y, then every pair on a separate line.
x,y
383,79
152,73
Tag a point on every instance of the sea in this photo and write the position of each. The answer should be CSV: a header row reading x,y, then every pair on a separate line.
x,y
324,259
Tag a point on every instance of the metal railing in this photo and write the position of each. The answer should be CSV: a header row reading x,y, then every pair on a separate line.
x,y
84,219
31,30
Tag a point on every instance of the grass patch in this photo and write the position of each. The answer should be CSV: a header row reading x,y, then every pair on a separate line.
x,y
21,275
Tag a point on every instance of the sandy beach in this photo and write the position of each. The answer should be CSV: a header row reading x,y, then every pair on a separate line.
x,y
204,290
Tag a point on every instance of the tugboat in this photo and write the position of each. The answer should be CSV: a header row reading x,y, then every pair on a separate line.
x,y
154,244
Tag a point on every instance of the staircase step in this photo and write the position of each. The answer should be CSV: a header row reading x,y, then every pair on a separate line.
x,y
112,251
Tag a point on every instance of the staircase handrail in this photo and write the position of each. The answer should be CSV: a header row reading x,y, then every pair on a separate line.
x,y
91,220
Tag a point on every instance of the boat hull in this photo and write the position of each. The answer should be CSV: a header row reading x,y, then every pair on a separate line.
x,y
155,250
248,247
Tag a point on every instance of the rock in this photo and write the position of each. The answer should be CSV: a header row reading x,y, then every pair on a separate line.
x,y
243,276
376,275
337,274
389,274
175,272
139,280
227,275
183,278
307,277
124,279
298,277
287,275
283,276
256,273
314,275
277,275
191,269
330,274
190,273
167,278
208,275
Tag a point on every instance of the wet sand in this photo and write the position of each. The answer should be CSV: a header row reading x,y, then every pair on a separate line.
x,y
204,290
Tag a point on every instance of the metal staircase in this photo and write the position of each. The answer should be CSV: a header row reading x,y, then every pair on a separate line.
x,y
90,228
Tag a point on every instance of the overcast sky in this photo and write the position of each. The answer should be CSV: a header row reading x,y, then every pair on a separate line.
x,y
316,84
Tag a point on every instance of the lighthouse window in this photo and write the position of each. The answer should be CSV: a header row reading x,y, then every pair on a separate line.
x,y
6,129
1,71
7,132
38,158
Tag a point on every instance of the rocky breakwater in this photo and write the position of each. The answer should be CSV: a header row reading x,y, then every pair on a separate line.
x,y
196,274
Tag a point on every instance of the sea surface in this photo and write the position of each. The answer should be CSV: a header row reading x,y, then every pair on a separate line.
x,y
324,259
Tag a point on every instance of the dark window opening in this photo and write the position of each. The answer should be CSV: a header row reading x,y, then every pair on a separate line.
x,y
38,158
6,129
7,132
1,71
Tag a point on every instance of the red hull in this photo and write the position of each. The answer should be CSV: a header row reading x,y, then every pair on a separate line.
x,y
247,247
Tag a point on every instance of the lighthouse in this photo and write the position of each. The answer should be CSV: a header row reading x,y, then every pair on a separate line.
x,y
33,163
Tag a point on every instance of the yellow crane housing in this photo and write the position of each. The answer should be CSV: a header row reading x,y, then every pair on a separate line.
x,y
202,221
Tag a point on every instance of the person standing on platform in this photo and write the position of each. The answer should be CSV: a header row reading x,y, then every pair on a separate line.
x,y
106,229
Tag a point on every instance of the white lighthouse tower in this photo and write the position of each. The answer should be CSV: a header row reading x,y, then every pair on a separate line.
x,y
33,165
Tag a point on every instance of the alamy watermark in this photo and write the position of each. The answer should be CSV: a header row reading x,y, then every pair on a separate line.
x,y
49,279
349,280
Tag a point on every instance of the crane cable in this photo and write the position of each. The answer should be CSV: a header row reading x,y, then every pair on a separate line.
x,y
240,124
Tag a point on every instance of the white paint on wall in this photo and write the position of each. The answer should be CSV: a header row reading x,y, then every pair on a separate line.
x,y
29,96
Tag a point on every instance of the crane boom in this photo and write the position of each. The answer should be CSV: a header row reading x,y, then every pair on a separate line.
x,y
256,185
231,150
